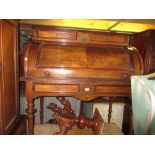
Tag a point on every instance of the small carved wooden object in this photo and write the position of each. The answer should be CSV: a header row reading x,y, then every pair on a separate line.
x,y
67,119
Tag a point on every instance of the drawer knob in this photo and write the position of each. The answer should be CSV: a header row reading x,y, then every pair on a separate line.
x,y
87,89
125,75
47,73
84,39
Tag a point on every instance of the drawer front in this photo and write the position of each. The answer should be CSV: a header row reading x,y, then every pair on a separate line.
x,y
45,34
111,39
112,89
56,88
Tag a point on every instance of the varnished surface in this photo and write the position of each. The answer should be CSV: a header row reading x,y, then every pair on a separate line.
x,y
80,71
56,88
145,42
56,34
82,57
47,60
9,101
82,64
74,36
66,118
41,110
20,128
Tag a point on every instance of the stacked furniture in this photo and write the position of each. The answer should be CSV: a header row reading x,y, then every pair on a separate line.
x,y
145,43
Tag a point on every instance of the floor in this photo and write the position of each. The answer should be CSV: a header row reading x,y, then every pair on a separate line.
x,y
50,129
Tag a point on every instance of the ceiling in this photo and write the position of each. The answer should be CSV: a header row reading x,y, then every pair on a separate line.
x,y
121,25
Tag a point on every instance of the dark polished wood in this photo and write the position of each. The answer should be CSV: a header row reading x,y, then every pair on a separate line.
x,y
41,110
127,126
21,64
110,109
20,128
145,42
80,37
9,93
57,63
30,107
81,107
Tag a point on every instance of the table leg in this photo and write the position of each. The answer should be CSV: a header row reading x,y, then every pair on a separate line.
x,y
81,107
30,111
41,110
110,109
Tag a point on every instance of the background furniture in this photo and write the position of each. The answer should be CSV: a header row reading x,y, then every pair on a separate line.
x,y
145,43
9,93
143,104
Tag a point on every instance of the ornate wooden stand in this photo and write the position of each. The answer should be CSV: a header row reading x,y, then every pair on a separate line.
x,y
67,119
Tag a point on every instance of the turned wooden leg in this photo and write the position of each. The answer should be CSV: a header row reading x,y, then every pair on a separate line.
x,y
110,109
30,115
41,110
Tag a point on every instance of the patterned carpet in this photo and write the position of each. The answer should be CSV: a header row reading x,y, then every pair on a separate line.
x,y
50,129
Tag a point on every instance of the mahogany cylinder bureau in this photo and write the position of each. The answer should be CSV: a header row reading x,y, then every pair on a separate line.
x,y
79,63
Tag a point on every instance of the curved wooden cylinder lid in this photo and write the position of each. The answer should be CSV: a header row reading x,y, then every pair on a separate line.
x,y
66,61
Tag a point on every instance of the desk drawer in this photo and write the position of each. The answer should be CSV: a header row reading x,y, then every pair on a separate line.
x,y
53,34
86,89
103,38
55,88
112,89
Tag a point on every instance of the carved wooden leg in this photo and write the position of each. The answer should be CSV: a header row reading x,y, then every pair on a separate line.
x,y
110,109
30,111
41,110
